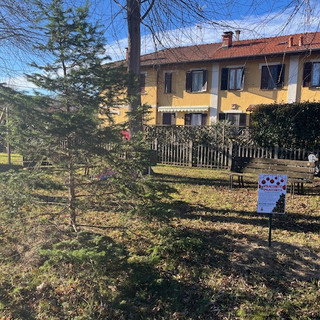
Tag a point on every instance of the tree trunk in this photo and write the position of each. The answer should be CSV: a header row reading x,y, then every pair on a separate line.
x,y
134,50
72,193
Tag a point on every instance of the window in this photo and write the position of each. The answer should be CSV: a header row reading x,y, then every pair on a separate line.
x,y
168,118
195,119
143,82
232,78
168,82
272,76
196,81
311,74
236,119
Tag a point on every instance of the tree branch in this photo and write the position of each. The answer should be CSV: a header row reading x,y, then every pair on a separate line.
x,y
148,10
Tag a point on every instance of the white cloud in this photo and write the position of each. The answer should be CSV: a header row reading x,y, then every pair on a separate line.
x,y
19,83
268,25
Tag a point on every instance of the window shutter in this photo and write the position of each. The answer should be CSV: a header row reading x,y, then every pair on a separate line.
x,y
204,119
222,116
242,78
307,71
189,81
187,119
204,80
280,75
264,77
243,117
224,78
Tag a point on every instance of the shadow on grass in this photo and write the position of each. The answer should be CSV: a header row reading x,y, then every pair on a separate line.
x,y
251,251
91,275
295,222
250,182
168,178
94,276
7,167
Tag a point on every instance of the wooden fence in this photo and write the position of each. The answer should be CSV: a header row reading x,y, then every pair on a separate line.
x,y
220,156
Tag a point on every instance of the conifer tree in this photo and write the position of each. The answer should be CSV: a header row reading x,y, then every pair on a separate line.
x,y
65,126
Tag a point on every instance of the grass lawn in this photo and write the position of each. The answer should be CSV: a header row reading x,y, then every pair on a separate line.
x,y
15,158
201,254
16,161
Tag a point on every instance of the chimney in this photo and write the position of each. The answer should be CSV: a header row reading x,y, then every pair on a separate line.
x,y
227,39
300,41
237,35
127,54
290,42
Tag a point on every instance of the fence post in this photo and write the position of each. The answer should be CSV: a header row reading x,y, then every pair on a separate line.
x,y
276,151
190,153
230,155
156,144
155,148
223,133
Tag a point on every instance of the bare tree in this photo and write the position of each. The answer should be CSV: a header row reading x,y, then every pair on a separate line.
x,y
17,35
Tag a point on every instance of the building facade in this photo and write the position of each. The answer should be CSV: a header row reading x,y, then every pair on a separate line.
x,y
198,85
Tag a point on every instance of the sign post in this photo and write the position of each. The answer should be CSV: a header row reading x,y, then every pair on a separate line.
x,y
272,196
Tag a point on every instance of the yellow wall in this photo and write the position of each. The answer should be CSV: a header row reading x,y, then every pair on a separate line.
x,y
251,92
179,96
120,115
150,95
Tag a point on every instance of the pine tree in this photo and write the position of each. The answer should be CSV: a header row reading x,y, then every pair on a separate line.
x,y
280,204
66,125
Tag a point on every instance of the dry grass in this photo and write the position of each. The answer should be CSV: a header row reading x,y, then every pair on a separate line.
x,y
201,254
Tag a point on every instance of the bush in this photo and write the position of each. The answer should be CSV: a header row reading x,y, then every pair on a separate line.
x,y
287,125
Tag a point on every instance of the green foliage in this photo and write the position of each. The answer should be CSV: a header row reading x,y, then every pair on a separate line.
x,y
15,196
288,125
67,128
218,132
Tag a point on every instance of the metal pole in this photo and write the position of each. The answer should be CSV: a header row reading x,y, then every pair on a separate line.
x,y
270,228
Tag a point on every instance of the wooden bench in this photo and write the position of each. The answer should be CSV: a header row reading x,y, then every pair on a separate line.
x,y
298,172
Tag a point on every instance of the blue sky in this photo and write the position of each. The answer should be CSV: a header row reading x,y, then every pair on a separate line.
x,y
255,19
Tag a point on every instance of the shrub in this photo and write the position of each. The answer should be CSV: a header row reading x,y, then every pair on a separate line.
x,y
287,125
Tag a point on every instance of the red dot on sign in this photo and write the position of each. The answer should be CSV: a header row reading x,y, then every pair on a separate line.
x,y
278,183
276,178
281,180
263,181
272,181
284,187
259,186
268,179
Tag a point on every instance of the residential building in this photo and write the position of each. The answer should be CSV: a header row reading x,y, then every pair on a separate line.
x,y
201,84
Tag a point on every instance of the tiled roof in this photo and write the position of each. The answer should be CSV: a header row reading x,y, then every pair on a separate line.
x,y
239,49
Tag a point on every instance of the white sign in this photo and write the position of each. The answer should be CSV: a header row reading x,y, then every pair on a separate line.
x,y
272,193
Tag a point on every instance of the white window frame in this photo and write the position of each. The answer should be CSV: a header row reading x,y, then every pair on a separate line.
x,y
197,81
236,84
200,86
